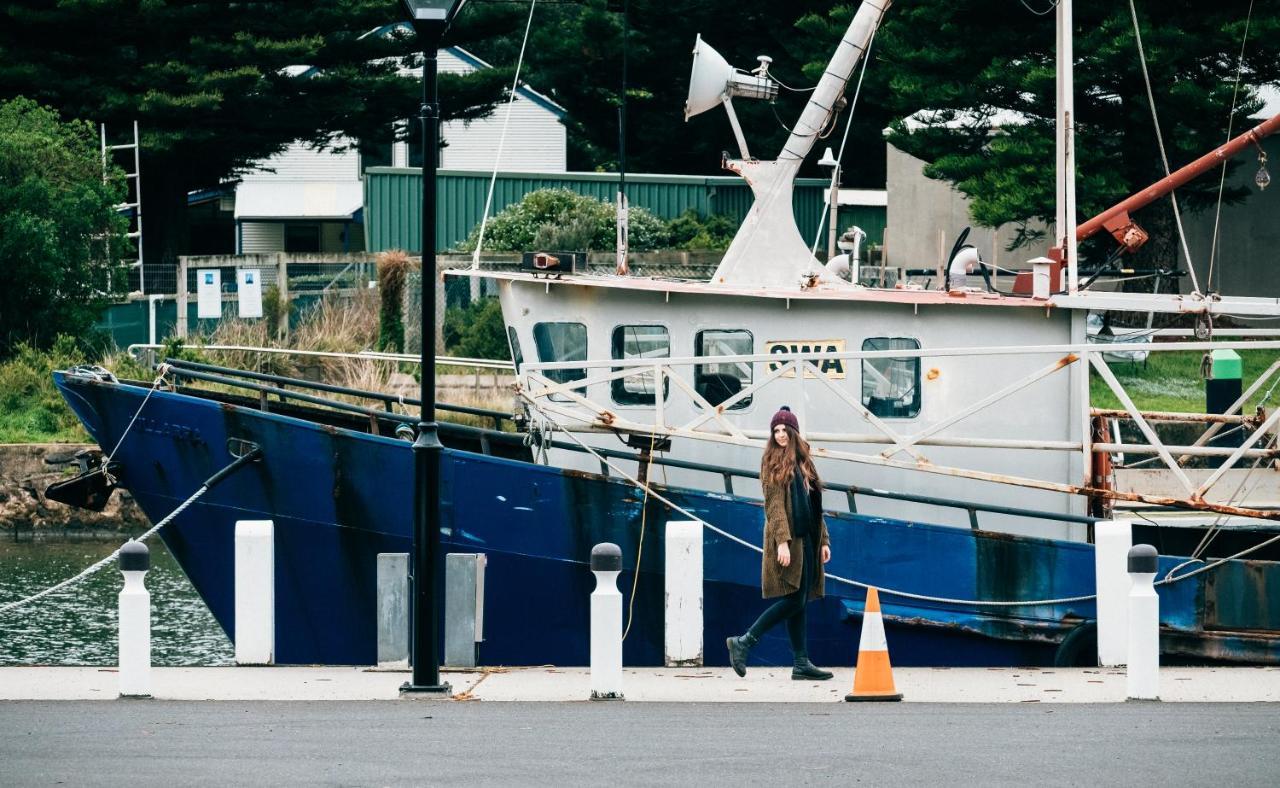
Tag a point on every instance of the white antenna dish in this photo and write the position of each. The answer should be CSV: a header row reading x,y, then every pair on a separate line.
x,y
713,81
709,82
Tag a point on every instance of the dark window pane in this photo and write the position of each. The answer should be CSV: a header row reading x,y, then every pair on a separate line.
x,y
718,382
302,237
516,355
375,153
639,342
562,342
891,386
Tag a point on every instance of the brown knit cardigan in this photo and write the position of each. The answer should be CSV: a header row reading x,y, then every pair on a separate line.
x,y
775,579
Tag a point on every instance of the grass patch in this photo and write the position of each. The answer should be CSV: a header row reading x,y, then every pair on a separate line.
x,y
31,409
1172,381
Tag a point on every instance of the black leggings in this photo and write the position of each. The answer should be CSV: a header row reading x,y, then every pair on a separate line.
x,y
791,607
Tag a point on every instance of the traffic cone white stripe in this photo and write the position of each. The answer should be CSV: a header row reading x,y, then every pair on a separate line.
x,y
873,633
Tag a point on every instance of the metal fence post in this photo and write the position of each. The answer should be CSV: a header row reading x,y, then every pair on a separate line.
x,y
282,285
181,326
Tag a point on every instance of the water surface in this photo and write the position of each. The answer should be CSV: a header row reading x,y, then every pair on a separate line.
x,y
77,626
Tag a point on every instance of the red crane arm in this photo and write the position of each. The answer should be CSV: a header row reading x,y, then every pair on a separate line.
x,y
1116,218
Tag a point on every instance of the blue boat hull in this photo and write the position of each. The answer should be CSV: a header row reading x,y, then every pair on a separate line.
x,y
339,497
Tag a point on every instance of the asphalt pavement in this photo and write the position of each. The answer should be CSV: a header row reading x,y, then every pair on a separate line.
x,y
413,742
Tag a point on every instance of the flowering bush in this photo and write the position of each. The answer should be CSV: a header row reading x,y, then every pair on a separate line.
x,y
565,220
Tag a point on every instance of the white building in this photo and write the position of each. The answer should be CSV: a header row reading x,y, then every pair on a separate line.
x,y
304,200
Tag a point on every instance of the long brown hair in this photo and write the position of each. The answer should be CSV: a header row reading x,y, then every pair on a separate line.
x,y
779,464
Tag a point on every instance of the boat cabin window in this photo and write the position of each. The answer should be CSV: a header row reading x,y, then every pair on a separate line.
x,y
516,355
562,342
719,382
639,342
891,386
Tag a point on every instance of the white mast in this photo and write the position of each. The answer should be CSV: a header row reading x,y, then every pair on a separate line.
x,y
768,248
1065,196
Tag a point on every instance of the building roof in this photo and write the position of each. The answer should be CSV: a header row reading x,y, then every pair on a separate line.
x,y
476,63
292,199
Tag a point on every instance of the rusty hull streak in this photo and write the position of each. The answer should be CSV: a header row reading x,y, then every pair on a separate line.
x,y
1192,504
1014,631
1193,418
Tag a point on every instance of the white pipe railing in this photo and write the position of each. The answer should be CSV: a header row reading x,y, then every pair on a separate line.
x,y
372,355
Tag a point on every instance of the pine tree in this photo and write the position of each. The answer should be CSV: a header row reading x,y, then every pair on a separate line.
x,y
957,69
215,86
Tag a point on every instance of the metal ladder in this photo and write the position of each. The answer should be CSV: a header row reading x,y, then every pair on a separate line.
x,y
135,220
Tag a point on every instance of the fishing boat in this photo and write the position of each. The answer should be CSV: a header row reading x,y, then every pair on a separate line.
x,y
965,465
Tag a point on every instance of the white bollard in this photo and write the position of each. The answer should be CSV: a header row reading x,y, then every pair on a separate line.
x,y
1111,543
606,623
135,622
255,592
682,640
1144,625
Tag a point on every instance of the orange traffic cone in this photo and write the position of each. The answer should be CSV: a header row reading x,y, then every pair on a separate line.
x,y
873,678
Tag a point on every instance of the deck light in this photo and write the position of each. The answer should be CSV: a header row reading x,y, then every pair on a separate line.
x,y
430,18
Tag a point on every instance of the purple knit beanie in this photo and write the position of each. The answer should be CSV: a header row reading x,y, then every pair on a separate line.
x,y
784,416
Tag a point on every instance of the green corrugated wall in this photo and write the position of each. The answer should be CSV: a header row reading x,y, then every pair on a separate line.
x,y
392,201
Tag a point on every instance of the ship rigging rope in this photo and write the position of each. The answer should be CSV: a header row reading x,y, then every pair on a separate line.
x,y
834,191
1222,180
204,488
1155,119
502,140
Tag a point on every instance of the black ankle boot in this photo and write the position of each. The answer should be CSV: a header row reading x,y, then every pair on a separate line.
x,y
805,670
739,647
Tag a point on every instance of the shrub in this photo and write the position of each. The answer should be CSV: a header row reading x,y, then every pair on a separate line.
x,y
561,216
476,331
61,236
393,266
31,409
690,230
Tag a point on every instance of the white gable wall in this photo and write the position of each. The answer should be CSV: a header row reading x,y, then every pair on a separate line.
x,y
536,139
299,162
536,142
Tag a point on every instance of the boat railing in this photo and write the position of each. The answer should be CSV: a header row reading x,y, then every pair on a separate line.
x,y
139,348
561,393
239,378
485,437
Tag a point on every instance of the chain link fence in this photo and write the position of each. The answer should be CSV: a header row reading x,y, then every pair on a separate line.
x,y
157,313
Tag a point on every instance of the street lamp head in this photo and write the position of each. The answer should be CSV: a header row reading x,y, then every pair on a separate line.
x,y
431,17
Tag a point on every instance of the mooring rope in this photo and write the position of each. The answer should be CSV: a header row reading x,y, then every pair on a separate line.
x,y
97,567
887,591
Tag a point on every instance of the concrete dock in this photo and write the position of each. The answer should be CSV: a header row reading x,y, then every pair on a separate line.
x,y
663,685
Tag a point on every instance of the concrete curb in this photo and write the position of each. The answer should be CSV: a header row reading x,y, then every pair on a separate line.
x,y
661,685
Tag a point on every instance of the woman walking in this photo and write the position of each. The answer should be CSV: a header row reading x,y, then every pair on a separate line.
x,y
795,545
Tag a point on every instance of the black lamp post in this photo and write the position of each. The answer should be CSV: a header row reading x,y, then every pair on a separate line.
x,y
430,20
